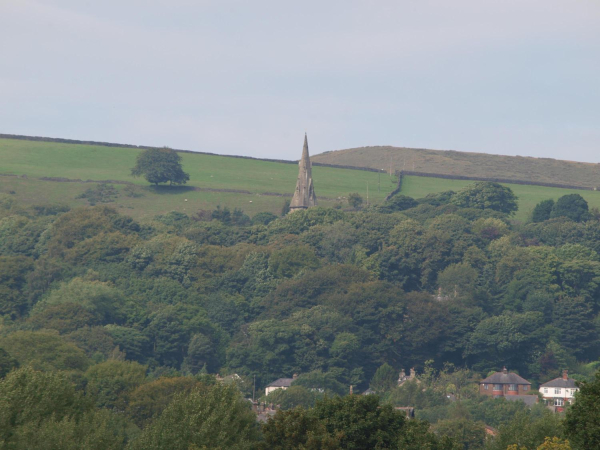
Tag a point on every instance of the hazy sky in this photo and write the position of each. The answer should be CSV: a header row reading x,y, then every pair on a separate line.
x,y
249,77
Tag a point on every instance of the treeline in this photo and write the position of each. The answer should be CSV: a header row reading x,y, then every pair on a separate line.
x,y
108,320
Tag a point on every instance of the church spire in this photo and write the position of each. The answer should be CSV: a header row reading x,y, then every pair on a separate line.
x,y
304,195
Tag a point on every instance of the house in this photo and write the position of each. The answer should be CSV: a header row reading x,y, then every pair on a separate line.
x,y
280,383
403,378
504,384
559,392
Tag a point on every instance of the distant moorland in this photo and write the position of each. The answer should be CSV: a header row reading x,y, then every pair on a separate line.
x,y
540,170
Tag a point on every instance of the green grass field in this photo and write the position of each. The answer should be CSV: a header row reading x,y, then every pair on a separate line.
x,y
529,196
88,162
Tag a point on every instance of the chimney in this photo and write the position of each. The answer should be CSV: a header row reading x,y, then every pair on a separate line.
x,y
413,374
351,390
295,376
565,374
504,370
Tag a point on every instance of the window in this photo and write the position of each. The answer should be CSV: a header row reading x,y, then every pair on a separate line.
x,y
558,402
525,388
497,387
545,390
485,386
512,387
557,390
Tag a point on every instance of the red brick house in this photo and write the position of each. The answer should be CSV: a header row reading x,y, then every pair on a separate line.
x,y
504,384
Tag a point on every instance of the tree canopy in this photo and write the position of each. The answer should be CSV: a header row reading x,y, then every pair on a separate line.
x,y
487,195
160,165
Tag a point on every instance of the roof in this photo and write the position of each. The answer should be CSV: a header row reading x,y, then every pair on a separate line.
x,y
281,382
504,378
560,383
529,400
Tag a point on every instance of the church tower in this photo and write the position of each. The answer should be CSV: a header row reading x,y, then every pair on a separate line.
x,y
304,196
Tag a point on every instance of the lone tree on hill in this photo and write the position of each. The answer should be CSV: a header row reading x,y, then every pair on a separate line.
x,y
159,165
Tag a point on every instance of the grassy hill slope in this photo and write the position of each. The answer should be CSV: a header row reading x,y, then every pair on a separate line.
x,y
265,184
541,170
210,179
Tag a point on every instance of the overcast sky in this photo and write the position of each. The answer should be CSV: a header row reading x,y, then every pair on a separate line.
x,y
249,77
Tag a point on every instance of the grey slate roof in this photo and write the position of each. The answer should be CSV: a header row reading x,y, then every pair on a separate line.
x,y
560,383
529,400
281,382
505,378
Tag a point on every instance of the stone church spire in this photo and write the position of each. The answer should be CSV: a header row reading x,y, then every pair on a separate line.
x,y
304,195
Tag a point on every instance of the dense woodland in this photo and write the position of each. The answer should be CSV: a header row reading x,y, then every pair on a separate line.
x,y
112,331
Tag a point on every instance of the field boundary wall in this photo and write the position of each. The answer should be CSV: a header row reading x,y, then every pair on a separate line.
x,y
495,180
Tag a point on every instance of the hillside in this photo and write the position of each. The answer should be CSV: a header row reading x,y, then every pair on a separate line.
x,y
51,172
450,162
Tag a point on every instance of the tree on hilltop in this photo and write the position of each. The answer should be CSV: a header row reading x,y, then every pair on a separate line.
x,y
159,165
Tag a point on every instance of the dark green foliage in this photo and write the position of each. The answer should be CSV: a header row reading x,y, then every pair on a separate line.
x,y
160,166
399,203
44,350
464,431
355,200
124,310
385,378
288,262
294,396
43,410
542,211
285,209
529,430
227,217
263,218
487,195
572,206
582,423
352,422
219,418
7,363
13,278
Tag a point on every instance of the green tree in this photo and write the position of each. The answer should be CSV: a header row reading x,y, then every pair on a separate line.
x,y
149,400
297,429
355,200
159,165
582,422
385,378
464,431
542,211
487,195
294,396
263,218
572,206
7,363
44,350
399,203
529,429
112,381
219,418
289,261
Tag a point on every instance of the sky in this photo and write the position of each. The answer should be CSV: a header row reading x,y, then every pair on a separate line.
x,y
513,77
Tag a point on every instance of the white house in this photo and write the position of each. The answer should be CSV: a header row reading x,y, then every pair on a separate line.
x,y
280,383
559,392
